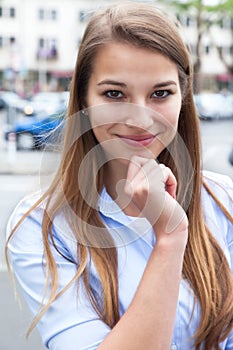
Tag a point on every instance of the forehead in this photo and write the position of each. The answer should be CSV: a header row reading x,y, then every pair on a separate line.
x,y
126,59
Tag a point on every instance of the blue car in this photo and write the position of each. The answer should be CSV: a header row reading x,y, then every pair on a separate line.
x,y
37,131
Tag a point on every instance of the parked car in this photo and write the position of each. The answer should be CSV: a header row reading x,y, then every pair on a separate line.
x,y
48,102
213,106
37,131
9,99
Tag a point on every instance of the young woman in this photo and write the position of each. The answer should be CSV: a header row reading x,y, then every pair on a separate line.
x,y
131,245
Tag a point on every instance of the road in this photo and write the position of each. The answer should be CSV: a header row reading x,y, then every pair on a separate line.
x,y
217,142
14,320
217,138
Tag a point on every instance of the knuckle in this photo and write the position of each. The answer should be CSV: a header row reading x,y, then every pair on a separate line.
x,y
141,191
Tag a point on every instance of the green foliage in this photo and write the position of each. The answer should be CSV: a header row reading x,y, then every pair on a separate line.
x,y
184,5
223,6
206,16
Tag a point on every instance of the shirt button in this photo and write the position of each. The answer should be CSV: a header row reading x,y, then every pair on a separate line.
x,y
173,347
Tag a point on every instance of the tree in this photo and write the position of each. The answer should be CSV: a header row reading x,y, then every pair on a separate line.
x,y
205,16
225,10
198,10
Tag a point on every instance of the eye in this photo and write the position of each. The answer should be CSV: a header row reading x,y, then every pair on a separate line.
x,y
161,93
115,94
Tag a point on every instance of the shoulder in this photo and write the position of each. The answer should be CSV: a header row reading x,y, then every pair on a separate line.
x,y
222,188
25,208
219,183
24,227
26,223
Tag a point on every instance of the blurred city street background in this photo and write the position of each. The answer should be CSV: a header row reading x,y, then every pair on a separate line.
x,y
34,84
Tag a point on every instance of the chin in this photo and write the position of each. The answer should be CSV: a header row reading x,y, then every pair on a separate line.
x,y
125,157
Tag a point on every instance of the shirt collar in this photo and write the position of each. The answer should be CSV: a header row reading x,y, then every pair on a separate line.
x,y
138,226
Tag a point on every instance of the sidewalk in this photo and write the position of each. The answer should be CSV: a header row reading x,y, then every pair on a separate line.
x,y
14,162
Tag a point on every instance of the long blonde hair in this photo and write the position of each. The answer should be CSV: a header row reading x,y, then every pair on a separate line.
x,y
143,26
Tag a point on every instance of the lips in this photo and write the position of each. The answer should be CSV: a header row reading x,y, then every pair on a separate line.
x,y
137,140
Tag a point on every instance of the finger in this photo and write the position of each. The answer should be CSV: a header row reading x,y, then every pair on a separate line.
x,y
158,173
170,181
138,173
134,169
135,165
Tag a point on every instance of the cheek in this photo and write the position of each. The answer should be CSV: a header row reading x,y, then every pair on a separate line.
x,y
173,113
173,122
170,115
108,145
101,133
171,118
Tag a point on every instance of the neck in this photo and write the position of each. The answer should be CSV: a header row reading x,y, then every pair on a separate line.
x,y
115,175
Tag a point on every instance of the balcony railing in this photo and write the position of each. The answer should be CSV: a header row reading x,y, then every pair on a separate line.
x,y
47,54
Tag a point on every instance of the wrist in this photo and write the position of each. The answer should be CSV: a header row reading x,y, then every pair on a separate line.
x,y
174,243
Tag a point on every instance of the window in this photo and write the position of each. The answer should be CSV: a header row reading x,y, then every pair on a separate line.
x,y
47,14
207,49
81,16
84,15
53,14
12,12
12,40
47,49
41,43
7,12
226,23
189,21
221,23
41,14
225,50
7,41
178,17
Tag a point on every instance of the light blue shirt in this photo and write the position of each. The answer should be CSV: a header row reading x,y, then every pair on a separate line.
x,y
71,323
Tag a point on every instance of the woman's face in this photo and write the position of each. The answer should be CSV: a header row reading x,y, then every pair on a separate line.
x,y
134,101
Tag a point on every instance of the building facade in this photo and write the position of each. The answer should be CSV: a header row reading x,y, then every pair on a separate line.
x,y
39,41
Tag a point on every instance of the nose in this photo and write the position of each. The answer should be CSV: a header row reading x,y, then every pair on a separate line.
x,y
139,115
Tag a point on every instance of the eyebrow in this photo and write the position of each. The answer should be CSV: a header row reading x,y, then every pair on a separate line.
x,y
112,82
165,83
118,83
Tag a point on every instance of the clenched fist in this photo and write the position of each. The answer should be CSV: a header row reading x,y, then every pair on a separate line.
x,y
152,188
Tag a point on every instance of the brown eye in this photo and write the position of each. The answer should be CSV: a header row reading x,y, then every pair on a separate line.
x,y
113,94
161,93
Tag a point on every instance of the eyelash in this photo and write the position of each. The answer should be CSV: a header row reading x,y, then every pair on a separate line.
x,y
108,93
168,92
